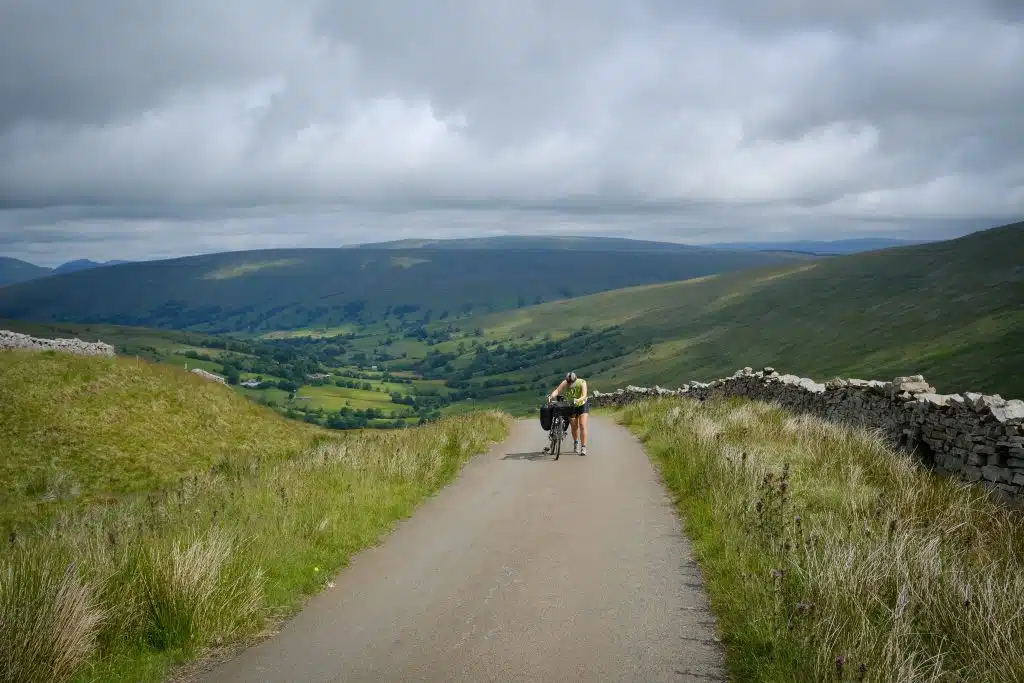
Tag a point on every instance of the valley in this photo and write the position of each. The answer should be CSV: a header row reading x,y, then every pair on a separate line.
x,y
953,311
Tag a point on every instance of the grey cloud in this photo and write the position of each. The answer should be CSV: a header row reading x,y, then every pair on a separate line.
x,y
234,122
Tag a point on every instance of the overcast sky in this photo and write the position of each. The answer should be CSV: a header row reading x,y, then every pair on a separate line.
x,y
136,129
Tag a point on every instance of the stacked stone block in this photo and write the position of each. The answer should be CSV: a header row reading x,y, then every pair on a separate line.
x,y
15,341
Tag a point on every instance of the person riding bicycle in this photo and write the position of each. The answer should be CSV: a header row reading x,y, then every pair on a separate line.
x,y
574,388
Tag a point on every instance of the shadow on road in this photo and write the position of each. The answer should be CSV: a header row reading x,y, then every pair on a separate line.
x,y
536,455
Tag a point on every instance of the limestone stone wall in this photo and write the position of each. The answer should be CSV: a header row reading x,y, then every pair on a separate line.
x,y
976,437
209,375
15,340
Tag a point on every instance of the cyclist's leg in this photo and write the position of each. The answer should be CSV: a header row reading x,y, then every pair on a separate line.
x,y
584,414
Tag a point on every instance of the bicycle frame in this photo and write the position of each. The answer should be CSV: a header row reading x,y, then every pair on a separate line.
x,y
559,428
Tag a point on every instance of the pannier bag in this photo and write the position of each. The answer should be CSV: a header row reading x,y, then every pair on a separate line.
x,y
547,414
548,411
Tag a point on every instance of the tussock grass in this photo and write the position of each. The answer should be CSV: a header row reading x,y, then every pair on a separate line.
x,y
121,591
49,620
830,557
197,589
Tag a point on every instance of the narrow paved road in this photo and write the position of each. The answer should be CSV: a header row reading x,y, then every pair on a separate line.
x,y
524,569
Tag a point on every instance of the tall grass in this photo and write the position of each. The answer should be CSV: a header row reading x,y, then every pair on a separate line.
x,y
831,557
117,592
48,620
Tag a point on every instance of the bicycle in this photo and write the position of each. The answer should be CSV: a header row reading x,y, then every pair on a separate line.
x,y
559,426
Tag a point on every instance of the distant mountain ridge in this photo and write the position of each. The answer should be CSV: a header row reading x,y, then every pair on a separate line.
x,y
281,289
587,243
13,271
84,264
520,242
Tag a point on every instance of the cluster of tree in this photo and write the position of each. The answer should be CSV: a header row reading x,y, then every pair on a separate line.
x,y
353,384
505,358
426,403
350,418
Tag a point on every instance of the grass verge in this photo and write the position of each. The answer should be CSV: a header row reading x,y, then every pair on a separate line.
x,y
124,591
830,557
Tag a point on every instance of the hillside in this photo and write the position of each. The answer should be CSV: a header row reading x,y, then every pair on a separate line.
x,y
559,242
83,264
121,426
240,515
831,247
952,310
257,291
13,270
587,243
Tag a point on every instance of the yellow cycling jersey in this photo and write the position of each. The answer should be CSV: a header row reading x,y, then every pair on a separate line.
x,y
575,391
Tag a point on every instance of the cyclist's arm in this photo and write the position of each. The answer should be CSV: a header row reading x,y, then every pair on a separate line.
x,y
557,390
583,396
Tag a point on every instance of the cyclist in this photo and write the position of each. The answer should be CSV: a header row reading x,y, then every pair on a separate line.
x,y
574,388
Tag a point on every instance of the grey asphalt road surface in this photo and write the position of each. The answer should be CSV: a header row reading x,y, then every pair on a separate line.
x,y
523,569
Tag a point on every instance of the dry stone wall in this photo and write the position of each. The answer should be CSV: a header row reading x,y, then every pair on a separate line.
x,y
14,340
976,437
209,375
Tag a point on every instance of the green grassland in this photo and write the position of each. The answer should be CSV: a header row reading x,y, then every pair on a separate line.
x,y
264,291
190,518
313,402
73,428
334,398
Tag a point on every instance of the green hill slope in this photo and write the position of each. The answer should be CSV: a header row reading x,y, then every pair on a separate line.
x,y
257,291
240,514
952,310
79,428
13,270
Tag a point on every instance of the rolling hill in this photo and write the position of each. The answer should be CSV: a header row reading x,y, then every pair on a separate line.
x,y
815,247
953,311
832,247
145,465
84,264
13,270
559,242
124,426
257,291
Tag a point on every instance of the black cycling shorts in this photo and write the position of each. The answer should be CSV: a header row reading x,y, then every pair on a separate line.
x,y
579,410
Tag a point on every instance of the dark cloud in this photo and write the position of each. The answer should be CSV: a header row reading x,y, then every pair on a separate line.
x,y
170,127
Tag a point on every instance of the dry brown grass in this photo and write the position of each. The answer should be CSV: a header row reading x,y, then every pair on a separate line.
x,y
49,619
